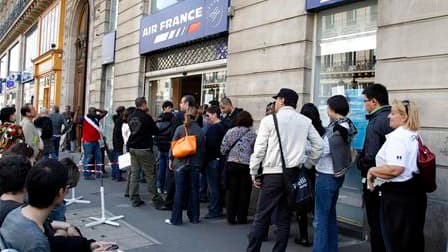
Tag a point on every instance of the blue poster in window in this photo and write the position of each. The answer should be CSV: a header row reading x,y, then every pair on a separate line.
x,y
357,115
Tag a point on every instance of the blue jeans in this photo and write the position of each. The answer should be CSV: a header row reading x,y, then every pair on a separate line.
x,y
91,149
116,174
325,225
162,174
55,152
58,213
214,183
183,175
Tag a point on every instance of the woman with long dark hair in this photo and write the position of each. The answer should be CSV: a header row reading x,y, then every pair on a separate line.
x,y
309,110
186,170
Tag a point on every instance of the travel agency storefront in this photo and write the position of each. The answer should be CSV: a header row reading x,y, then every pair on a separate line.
x,y
344,61
185,47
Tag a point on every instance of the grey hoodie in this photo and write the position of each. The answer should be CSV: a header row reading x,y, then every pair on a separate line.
x,y
340,134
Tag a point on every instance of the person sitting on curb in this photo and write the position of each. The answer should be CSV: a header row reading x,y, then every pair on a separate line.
x,y
60,236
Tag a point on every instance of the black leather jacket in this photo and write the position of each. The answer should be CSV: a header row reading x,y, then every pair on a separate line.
x,y
376,132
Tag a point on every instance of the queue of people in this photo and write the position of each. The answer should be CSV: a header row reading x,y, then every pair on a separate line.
x,y
231,158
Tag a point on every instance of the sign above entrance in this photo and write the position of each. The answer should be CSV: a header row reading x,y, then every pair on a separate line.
x,y
315,5
183,22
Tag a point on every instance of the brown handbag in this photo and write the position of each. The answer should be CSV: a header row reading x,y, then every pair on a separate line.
x,y
184,146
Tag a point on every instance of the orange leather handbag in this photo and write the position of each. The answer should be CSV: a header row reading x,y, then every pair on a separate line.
x,y
184,146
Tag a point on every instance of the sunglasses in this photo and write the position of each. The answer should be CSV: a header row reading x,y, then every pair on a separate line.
x,y
406,105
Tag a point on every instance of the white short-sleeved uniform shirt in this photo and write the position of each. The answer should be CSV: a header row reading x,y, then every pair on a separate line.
x,y
400,149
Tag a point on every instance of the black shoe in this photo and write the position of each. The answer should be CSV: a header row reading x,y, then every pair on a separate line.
x,y
138,203
126,195
303,241
162,207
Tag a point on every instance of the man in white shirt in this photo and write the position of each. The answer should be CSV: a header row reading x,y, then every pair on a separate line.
x,y
29,130
295,131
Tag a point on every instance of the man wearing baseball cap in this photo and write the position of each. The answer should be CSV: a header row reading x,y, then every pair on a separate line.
x,y
295,131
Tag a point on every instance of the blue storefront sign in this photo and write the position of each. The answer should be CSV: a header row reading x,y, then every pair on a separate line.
x,y
186,21
314,5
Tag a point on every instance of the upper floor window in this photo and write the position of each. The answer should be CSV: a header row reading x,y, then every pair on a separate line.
x,y
31,47
113,15
14,57
50,30
3,67
157,5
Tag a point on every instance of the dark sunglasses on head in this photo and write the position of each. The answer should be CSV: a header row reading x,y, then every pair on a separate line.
x,y
406,105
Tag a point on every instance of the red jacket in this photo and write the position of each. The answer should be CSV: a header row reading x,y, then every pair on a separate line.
x,y
89,132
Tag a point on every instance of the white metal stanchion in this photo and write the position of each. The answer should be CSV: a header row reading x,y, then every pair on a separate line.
x,y
103,219
75,199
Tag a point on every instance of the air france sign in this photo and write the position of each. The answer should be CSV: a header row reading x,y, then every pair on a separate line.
x,y
183,22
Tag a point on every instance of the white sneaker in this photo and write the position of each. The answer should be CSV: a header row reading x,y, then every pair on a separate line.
x,y
159,191
168,221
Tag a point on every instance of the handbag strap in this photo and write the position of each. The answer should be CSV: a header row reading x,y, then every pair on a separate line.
x,y
234,143
279,143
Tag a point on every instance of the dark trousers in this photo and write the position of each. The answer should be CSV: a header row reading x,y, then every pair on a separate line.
x,y
372,205
272,198
55,152
302,215
239,187
187,183
402,216
171,189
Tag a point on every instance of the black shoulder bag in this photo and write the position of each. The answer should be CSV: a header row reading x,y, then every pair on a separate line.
x,y
297,184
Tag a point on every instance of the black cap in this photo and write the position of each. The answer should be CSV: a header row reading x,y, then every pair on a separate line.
x,y
288,94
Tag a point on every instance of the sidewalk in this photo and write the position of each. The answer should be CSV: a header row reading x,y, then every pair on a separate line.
x,y
143,229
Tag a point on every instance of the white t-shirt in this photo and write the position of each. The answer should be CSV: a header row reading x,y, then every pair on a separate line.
x,y
400,149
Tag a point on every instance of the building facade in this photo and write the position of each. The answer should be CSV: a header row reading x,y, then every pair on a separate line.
x,y
113,51
31,52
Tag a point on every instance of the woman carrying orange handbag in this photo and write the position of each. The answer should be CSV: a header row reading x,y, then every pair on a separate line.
x,y
186,164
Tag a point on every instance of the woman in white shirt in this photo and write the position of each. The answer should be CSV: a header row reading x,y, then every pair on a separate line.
x,y
402,201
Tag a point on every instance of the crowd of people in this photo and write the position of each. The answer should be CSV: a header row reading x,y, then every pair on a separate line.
x,y
229,160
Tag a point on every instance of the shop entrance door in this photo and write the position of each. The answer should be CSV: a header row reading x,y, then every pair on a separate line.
x,y
189,85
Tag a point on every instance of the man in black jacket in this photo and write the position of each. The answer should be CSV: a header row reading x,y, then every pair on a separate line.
x,y
166,129
43,122
118,142
140,144
213,139
229,113
376,102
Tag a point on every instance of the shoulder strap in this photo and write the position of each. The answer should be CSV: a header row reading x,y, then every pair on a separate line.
x,y
93,124
234,143
279,143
